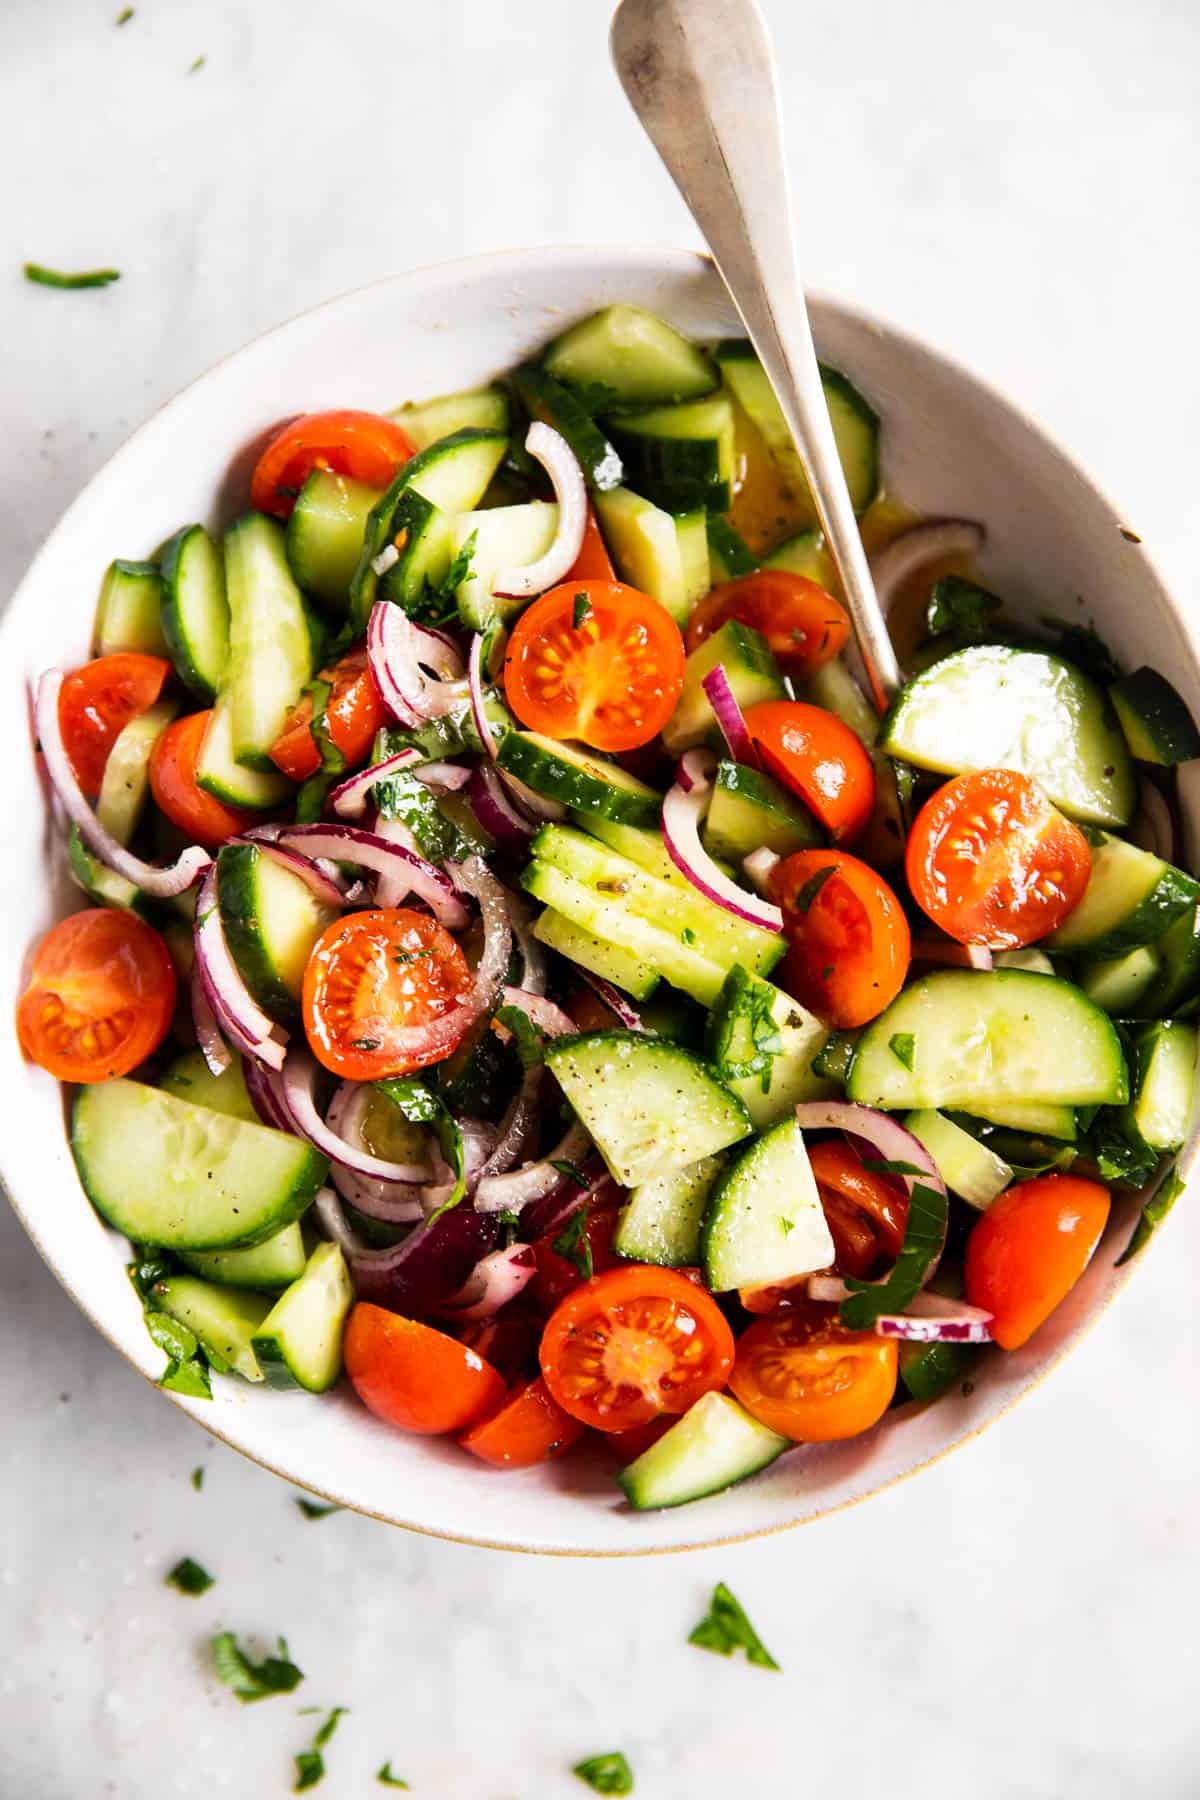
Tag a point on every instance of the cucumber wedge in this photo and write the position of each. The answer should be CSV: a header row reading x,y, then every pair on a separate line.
x,y
1008,1035
641,359
663,554
661,1224
102,884
271,650
271,1265
169,1173
299,1343
650,1107
1130,899
748,811
129,610
1032,1117
1158,727
609,961
967,1166
750,669
219,773
578,778
272,919
325,535
1119,983
126,779
499,537
190,1078
679,456
475,409
1164,1083
765,1222
763,1044
552,401
855,423
714,1444
195,612
224,1319
1178,977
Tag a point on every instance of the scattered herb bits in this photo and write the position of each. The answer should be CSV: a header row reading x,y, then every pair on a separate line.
x,y
250,1680
313,1509
190,1577
59,278
725,1628
606,1774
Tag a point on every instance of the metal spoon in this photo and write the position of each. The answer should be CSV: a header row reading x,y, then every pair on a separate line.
x,y
700,75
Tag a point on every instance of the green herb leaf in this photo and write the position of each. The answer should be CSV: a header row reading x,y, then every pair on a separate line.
x,y
812,887
787,1226
191,1378
580,611
1153,1214
1119,1153
312,1509
421,1106
404,797
329,1727
572,1171
961,609
198,1479
310,1768
437,603
725,1628
250,1680
902,1044
171,1336
573,1243
1083,646
924,1235
189,1577
57,278
124,16
388,1779
687,936
529,1039
606,1774
198,64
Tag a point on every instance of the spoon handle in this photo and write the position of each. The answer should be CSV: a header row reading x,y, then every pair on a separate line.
x,y
701,77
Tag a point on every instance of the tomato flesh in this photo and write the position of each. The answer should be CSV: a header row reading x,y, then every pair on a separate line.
x,y
992,862
96,702
414,1376
849,945
634,1343
866,1215
556,1276
1029,1249
200,815
381,993
353,714
362,445
805,1375
611,680
818,757
593,562
100,996
529,1428
804,625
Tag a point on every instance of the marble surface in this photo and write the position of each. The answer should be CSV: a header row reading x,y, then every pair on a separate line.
x,y
1017,183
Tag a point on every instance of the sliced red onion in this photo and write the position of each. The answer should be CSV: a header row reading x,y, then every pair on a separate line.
x,y
1155,827
932,542
512,1191
498,1278
889,1139
483,725
518,1127
497,814
543,1013
552,1211
298,1086
162,883
912,1330
696,769
446,777
238,1014
617,1004
401,654
261,1085
418,1275
757,867
946,953
683,809
534,968
213,1047
371,850
554,453
349,798
734,730
392,888
391,1202
327,891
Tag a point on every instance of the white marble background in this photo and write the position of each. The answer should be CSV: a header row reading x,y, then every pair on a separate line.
x,y
1019,183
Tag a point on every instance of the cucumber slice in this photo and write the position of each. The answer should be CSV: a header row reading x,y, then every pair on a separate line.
x,y
129,610
478,409
190,1078
641,845
270,644
610,919
126,779
995,707
195,614
804,554
679,456
1120,983
102,884
272,919
325,535
748,811
644,544
930,1370
169,1173
715,1444
640,358
1035,961
1164,1083
299,1343
271,1265
855,423
224,1319
1130,899
765,1222
661,1224
1028,1116
1158,727
579,778
729,554
750,669
691,529
609,961
1178,977
649,1106
967,1166
553,402
219,773
764,1044
1007,1034
450,735
500,537
834,687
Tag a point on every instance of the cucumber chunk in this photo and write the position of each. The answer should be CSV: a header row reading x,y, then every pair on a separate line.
x,y
554,404
476,409
647,547
1164,1083
1027,1115
1178,977
325,534
750,669
1119,983
1130,899
968,1167
729,554
270,645
835,688
499,537
661,1224
805,554
223,1319
930,1370
271,1265
715,1444
578,778
299,1343
765,1222
748,811
102,884
855,423
650,1106
219,773
1007,1034
995,707
126,779
640,844
641,359
679,456
764,1045
272,919
607,917
195,613
1158,727
1035,961
609,961
169,1173
190,1078
129,610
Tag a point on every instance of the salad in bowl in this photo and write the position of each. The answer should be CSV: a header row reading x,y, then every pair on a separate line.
x,y
522,973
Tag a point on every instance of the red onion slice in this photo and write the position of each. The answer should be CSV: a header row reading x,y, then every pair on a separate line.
x,y
298,1088
483,725
683,809
261,1085
213,1047
932,542
1154,827
492,1283
892,1142
911,1330
497,814
349,798
621,1008
512,1191
534,967
162,883
401,654
322,885
734,730
566,477
238,1014
543,1013
370,850
946,953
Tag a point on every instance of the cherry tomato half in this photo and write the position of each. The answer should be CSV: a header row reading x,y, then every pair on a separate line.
x,y
1030,1248
381,991
529,1428
803,625
611,680
176,791
363,445
96,702
805,1375
100,996
849,945
414,1376
633,1343
353,714
556,1276
992,862
866,1215
818,757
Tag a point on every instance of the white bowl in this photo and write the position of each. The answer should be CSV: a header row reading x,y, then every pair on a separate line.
x,y
951,445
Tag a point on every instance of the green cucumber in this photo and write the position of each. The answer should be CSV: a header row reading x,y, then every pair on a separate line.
x,y
611,920
1158,727
1035,961
640,844
554,404
680,457
126,780
271,649
661,1222
967,1166
424,422
271,1265
1178,977
325,535
1033,1117
1006,1034
102,884
691,530
1131,898
752,673
498,538
765,1222
578,778
929,1370
299,1343
649,1106
855,423
609,961
646,544
195,612
835,688
764,1045
993,706
166,1172
190,1078
219,773
223,1319
714,1445
1160,1111
271,920
448,736
804,554
748,811
129,610
729,554
638,357
1120,983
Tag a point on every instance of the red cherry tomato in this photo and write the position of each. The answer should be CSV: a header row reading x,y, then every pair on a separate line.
x,y
818,757
556,1276
593,562
849,945
1030,1248
803,625
866,1215
198,814
528,1429
375,978
363,445
96,702
100,996
353,714
416,1377
807,1376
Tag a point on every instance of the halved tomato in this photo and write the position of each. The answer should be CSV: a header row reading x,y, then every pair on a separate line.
x,y
803,625
96,702
529,1428
100,996
818,757
414,1376
363,445
807,1376
382,994
849,945
178,794
353,714
1029,1249
865,1213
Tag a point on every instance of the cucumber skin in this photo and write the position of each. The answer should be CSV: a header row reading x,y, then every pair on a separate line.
x,y
1158,727
236,870
174,633
634,1479
577,789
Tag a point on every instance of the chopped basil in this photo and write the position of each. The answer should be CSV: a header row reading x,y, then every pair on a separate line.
x,y
198,64
312,1509
1153,1214
310,1768
924,1235
408,799
250,1680
725,1628
574,1245
687,936
961,609
1119,1155
581,611
572,1171
388,1779
198,1478
124,16
812,887
530,1041
421,1106
189,1577
57,278
187,1370
606,1774
329,1727
437,603
902,1044
787,1226
1083,645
